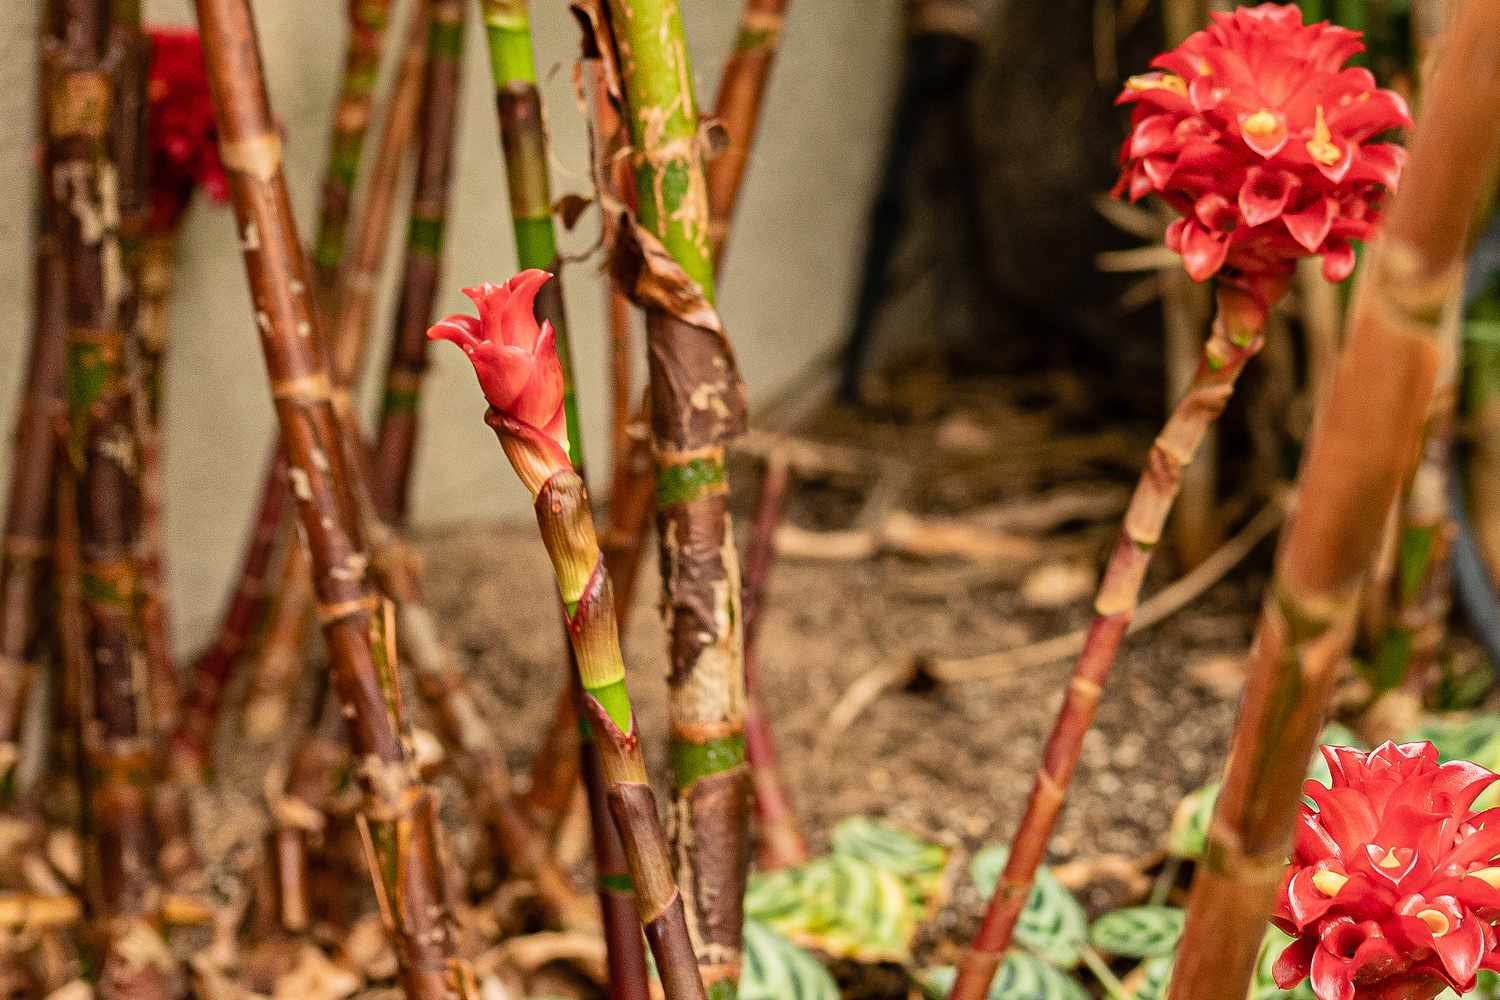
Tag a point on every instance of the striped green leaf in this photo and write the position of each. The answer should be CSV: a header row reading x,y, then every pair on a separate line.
x,y
776,969
1138,931
1053,925
1020,977
839,904
1148,981
918,863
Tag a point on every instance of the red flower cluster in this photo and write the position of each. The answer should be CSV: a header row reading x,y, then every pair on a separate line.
x,y
1393,877
516,360
184,137
1258,136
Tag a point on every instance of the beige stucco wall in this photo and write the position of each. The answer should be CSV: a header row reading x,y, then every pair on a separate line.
x,y
784,299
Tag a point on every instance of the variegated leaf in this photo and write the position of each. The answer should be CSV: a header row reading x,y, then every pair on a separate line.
x,y
1052,925
1138,931
1020,977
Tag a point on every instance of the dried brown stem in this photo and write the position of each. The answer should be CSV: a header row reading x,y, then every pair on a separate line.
x,y
1237,337
1363,445
398,815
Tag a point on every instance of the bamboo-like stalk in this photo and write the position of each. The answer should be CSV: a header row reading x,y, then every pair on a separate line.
x,y
523,137
567,530
250,596
421,271
96,153
28,530
478,761
697,405
1235,339
781,842
351,121
398,815
741,91
1194,527
156,257
1420,597
353,294
1363,445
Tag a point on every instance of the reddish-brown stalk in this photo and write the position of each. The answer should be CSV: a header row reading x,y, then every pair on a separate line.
x,y
349,326
1363,445
251,596
781,842
741,91
398,817
1236,337
28,529
352,111
353,297
437,131
96,155
155,277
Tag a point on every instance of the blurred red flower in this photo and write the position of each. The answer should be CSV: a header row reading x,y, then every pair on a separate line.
x,y
1393,876
1259,136
183,135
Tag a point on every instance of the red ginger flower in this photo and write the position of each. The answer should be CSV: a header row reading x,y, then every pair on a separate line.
x,y
1393,876
516,361
182,132
1256,134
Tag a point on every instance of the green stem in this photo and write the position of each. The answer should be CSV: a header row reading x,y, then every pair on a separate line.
x,y
697,406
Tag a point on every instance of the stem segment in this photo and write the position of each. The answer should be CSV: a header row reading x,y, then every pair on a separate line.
x,y
697,405
1362,447
1236,338
567,529
438,127
399,818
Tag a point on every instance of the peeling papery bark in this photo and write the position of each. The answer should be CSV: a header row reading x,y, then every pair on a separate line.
x,y
95,140
1363,445
437,132
664,260
397,816
1238,334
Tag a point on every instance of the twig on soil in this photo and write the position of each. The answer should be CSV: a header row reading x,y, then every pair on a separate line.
x,y
1007,664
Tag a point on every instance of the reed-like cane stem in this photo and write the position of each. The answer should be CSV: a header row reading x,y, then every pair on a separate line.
x,y
781,842
398,815
697,404
741,91
1363,445
523,138
351,121
567,529
437,133
96,141
26,546
1237,335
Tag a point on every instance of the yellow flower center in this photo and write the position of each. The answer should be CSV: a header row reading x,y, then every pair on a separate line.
x,y
1390,860
1157,81
1321,146
1436,921
1329,882
1489,876
1262,124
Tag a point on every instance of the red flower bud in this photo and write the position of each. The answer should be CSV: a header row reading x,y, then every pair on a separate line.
x,y
516,361
1393,876
1256,133
182,132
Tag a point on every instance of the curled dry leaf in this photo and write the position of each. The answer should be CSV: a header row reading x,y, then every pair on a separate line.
x,y
368,949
